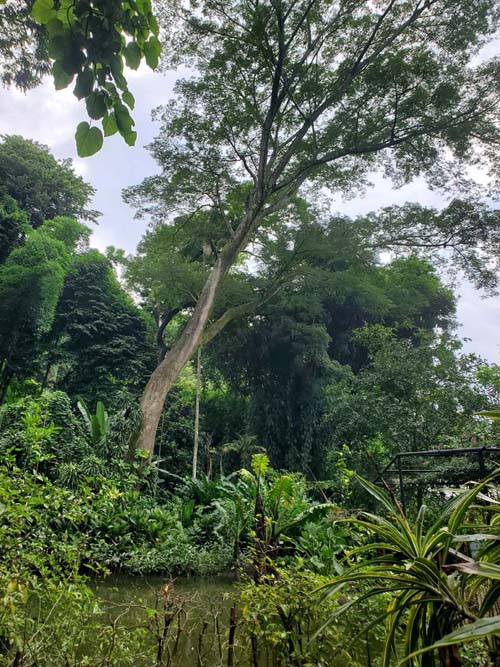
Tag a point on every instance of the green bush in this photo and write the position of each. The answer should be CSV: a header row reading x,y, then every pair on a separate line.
x,y
288,624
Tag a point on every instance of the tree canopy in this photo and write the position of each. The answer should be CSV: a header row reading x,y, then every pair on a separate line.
x,y
42,186
294,95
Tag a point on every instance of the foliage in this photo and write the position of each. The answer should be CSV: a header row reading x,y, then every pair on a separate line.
x,y
93,43
31,280
98,344
23,46
315,379
355,78
456,238
42,186
98,424
410,396
332,96
12,225
283,615
436,586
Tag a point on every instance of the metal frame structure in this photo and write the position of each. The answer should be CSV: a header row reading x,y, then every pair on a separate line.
x,y
397,469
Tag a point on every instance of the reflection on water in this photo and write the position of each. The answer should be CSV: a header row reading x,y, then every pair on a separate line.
x,y
187,622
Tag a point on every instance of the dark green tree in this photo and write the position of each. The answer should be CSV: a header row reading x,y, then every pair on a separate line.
x,y
13,224
409,396
303,348
31,280
42,186
100,341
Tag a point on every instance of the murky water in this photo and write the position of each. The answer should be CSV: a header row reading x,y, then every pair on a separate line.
x,y
188,619
192,622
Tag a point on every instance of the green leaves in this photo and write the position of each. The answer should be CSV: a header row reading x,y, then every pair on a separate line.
x,y
43,11
96,105
152,50
89,140
492,414
414,569
133,55
483,627
98,424
94,46
84,84
61,78
125,122
129,99
109,125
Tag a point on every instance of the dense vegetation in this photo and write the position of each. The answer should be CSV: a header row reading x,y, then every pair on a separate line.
x,y
227,398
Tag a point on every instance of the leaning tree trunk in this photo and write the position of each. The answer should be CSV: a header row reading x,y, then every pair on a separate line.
x,y
165,375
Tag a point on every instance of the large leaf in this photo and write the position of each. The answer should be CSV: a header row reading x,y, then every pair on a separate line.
x,y
96,105
484,627
133,55
43,11
479,569
152,50
89,140
492,414
85,412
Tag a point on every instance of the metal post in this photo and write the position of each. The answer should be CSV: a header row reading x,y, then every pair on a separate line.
x,y
401,484
482,469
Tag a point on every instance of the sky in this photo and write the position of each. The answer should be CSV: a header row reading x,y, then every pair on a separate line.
x,y
51,117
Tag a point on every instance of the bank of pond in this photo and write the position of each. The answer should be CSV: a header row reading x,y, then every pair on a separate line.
x,y
102,576
218,621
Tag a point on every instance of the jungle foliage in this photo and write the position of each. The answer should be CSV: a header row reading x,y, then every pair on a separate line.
x,y
324,344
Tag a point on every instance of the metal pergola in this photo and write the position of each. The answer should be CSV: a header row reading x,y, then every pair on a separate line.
x,y
410,467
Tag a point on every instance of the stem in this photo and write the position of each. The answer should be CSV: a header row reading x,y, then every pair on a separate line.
x,y
197,414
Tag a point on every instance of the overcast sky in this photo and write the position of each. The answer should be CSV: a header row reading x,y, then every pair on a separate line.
x,y
51,117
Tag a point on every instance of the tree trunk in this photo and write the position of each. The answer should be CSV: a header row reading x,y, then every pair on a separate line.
x,y
165,375
197,415
6,376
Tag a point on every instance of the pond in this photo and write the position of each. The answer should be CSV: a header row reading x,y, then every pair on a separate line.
x,y
198,622
192,622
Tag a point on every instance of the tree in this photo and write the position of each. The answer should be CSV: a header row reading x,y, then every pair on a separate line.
x,y
13,223
457,238
100,340
293,93
170,267
42,186
24,59
85,42
410,395
31,280
298,361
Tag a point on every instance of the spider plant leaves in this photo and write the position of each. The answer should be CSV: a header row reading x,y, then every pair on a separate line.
x,y
483,627
478,569
418,566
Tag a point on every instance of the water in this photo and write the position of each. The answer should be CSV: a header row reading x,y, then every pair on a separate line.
x,y
187,620
187,623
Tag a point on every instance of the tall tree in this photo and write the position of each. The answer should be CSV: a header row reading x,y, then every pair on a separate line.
x,y
409,396
293,93
100,339
42,186
169,270
31,280
13,224
302,352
